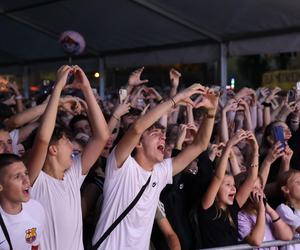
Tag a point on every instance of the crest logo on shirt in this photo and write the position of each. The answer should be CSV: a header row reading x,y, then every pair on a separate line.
x,y
30,235
153,184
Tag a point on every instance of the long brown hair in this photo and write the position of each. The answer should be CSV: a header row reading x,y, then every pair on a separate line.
x,y
284,179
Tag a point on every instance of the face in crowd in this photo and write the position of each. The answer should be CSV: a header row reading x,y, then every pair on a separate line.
x,y
5,142
14,184
153,144
227,191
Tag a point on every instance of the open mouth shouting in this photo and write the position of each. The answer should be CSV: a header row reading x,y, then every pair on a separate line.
x,y
231,196
26,191
161,148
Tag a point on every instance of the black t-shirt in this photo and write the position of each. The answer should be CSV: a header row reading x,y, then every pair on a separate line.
x,y
183,195
217,231
294,144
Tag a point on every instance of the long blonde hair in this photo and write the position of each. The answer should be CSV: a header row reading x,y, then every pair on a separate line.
x,y
220,210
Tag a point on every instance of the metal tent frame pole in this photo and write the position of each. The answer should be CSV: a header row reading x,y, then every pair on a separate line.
x,y
223,62
102,78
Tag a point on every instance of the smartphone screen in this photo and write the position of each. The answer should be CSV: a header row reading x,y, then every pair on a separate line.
x,y
122,95
279,135
291,96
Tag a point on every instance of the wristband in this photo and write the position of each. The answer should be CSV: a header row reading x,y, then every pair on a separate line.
x,y
114,116
208,116
174,103
267,104
273,221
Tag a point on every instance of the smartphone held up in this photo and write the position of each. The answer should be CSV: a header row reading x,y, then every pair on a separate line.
x,y
278,133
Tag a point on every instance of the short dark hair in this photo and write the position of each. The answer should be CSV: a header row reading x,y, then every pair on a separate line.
x,y
75,119
157,125
7,159
58,133
3,127
5,111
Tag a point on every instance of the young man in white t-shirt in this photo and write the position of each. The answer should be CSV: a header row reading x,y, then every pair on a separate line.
x,y
125,175
23,217
56,177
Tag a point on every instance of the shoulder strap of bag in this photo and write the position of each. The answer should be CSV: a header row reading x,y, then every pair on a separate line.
x,y
121,217
4,229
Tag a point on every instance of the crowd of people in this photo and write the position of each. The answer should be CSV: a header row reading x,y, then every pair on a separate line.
x,y
154,168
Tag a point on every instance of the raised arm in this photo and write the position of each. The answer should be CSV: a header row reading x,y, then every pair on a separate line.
x,y
281,229
22,118
230,106
44,133
234,164
133,134
256,236
202,138
246,188
122,109
272,155
214,186
247,121
100,131
174,79
134,80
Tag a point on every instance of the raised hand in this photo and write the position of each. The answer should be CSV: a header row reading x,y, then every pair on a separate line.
x,y
209,100
257,199
287,154
191,131
122,109
181,135
135,78
72,105
274,153
252,140
215,150
153,94
273,94
231,105
80,79
263,93
184,97
62,75
239,136
14,87
174,77
243,105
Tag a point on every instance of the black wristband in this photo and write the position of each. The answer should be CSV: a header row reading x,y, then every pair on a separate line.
x,y
273,221
267,104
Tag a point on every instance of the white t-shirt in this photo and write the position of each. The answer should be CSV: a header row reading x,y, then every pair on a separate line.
x,y
292,218
120,188
62,203
25,228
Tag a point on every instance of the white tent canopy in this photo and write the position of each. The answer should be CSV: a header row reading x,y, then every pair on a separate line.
x,y
141,32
